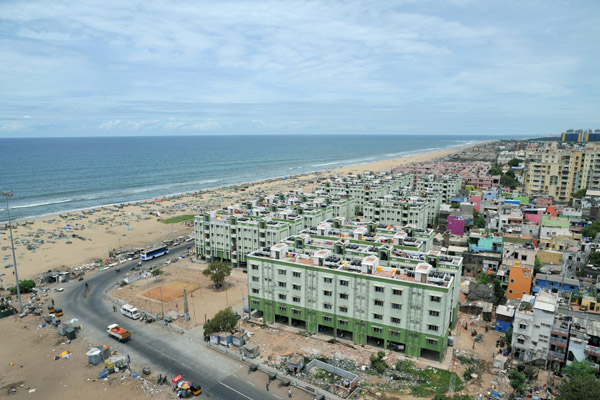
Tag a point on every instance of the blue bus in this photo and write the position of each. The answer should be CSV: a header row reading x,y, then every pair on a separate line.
x,y
154,252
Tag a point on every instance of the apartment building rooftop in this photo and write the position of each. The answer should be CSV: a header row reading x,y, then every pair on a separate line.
x,y
324,259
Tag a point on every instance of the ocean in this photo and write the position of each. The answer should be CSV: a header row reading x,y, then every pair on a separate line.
x,y
56,175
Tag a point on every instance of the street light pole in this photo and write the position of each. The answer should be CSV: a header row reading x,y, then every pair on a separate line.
x,y
8,194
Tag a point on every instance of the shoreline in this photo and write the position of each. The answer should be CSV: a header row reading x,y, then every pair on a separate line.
x,y
72,239
457,147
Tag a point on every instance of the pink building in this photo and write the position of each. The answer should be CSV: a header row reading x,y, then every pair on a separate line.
x,y
543,201
476,201
534,214
456,225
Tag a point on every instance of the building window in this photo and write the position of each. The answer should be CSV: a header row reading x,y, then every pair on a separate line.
x,y
512,281
255,279
343,309
397,292
510,291
282,308
282,272
379,302
296,299
432,327
296,287
255,291
296,311
282,284
394,333
378,316
377,329
432,342
436,299
344,296
379,289
282,297
522,326
254,267
395,320
327,280
296,274
327,292
520,341
344,283
342,322
327,306
396,306
326,318
434,313
255,302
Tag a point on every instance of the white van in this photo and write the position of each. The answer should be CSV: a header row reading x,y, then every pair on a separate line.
x,y
130,311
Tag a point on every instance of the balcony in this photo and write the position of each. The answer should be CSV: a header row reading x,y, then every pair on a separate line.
x,y
560,331
558,341
553,355
592,350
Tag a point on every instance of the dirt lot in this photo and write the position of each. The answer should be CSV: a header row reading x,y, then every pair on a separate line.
x,y
204,301
36,375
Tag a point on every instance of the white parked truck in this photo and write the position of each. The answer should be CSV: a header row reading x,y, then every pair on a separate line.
x,y
121,334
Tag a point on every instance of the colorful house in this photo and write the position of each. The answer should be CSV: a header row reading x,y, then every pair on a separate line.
x,y
519,281
555,283
456,225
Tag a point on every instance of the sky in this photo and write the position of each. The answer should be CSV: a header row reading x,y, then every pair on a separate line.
x,y
114,67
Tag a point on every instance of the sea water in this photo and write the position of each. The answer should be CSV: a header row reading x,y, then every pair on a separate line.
x,y
56,175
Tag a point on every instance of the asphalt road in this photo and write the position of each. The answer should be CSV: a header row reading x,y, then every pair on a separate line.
x,y
167,351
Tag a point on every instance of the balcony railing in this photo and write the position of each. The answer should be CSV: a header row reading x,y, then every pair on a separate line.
x,y
560,331
556,356
558,341
592,350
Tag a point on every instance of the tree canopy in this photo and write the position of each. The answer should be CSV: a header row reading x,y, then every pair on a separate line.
x,y
217,271
517,381
223,321
592,230
514,162
580,382
495,171
25,286
580,194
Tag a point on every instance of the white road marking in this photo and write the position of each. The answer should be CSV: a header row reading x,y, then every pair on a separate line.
x,y
232,389
250,383
277,396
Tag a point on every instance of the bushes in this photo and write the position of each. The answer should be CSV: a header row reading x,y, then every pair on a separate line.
x,y
377,362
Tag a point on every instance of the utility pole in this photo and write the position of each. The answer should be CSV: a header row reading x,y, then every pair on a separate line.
x,y
162,306
8,194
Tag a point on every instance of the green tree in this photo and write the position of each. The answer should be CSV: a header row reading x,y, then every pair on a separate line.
x,y
483,278
580,194
578,369
514,162
377,362
495,171
157,272
517,381
582,387
594,258
498,291
478,220
537,266
508,337
506,180
592,230
223,321
217,272
510,173
25,286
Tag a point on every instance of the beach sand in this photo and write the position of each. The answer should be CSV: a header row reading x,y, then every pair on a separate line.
x,y
79,238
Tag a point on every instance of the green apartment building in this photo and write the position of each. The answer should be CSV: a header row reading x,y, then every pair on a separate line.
x,y
399,301
447,185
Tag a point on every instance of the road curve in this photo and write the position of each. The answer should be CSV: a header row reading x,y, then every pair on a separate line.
x,y
167,351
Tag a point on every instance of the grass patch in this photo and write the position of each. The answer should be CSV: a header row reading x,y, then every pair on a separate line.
x,y
430,380
179,218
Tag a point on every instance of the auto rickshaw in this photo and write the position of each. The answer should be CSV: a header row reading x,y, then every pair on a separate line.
x,y
58,312
195,389
51,309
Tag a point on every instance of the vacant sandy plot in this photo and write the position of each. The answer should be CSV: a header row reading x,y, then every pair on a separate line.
x,y
171,290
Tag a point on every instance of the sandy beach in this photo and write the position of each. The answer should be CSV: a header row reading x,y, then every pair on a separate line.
x,y
79,238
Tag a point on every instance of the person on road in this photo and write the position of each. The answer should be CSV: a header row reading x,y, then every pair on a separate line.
x,y
267,386
290,393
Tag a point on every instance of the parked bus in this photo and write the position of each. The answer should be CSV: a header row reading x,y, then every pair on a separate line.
x,y
154,252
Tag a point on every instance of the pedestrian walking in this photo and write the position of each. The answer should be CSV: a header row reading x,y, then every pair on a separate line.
x,y
267,386
290,393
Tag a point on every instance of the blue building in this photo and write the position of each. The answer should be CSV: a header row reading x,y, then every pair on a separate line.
x,y
504,318
555,284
